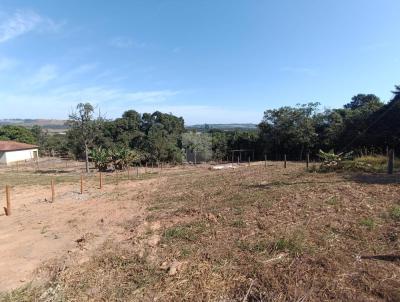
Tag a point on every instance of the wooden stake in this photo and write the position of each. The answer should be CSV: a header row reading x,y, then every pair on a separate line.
x,y
137,171
116,177
81,184
101,180
284,158
391,161
265,160
145,168
308,160
249,161
52,191
7,209
128,173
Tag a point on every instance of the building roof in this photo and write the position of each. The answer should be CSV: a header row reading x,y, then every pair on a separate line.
x,y
15,146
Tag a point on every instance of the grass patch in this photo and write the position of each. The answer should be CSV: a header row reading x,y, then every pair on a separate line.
x,y
369,223
188,232
292,244
333,201
23,294
238,223
395,213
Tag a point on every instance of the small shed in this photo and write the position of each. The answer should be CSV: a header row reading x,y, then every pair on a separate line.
x,y
11,152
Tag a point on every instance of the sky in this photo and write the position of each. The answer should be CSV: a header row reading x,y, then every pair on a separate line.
x,y
210,61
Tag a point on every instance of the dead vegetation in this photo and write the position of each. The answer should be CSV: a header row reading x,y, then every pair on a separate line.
x,y
249,234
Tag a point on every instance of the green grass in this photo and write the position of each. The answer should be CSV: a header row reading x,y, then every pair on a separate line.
x,y
395,213
238,223
369,223
376,163
188,232
292,243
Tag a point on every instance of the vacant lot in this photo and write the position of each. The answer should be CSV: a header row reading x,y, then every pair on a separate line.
x,y
194,234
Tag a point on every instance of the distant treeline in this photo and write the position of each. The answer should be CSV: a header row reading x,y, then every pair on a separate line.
x,y
364,125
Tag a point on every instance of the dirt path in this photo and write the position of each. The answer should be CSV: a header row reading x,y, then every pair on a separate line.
x,y
69,228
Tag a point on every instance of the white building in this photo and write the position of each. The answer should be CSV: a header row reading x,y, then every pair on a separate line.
x,y
12,152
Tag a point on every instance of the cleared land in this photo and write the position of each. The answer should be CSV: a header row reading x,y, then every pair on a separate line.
x,y
194,234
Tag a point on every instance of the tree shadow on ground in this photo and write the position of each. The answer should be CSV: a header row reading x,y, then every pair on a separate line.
x,y
285,183
376,178
51,172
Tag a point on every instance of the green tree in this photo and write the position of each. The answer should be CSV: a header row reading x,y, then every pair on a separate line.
x,y
198,143
83,128
17,133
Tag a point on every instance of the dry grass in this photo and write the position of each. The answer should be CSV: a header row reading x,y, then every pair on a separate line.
x,y
262,234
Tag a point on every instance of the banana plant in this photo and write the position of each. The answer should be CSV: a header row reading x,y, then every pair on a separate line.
x,y
101,158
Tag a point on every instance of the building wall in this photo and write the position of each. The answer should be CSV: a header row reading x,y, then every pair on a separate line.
x,y
20,155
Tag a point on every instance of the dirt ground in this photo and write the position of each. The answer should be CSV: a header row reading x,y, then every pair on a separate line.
x,y
71,227
196,234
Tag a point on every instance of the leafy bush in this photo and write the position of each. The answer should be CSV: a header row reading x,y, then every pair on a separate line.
x,y
332,161
101,158
376,163
122,157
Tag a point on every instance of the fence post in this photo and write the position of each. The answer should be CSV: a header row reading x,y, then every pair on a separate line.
x,y
81,184
100,180
238,160
284,158
128,172
145,168
116,176
249,161
53,194
265,160
391,161
7,209
137,171
308,160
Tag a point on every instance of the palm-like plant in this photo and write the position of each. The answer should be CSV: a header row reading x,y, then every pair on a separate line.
x,y
122,157
101,158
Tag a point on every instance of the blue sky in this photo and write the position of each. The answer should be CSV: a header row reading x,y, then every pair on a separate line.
x,y
214,61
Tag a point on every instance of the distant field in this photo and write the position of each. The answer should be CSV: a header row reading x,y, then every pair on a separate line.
x,y
50,125
223,127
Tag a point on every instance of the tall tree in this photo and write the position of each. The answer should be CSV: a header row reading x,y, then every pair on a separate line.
x,y
83,127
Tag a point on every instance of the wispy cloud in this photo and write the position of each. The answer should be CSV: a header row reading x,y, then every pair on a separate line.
x,y
126,42
22,22
113,102
300,70
44,75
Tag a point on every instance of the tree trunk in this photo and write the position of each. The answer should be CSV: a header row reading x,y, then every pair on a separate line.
x,y
86,158
301,153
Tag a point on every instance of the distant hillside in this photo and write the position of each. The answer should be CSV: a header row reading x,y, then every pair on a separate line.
x,y
224,127
51,125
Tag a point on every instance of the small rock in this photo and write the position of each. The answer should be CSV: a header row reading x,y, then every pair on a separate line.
x,y
212,217
174,268
154,240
